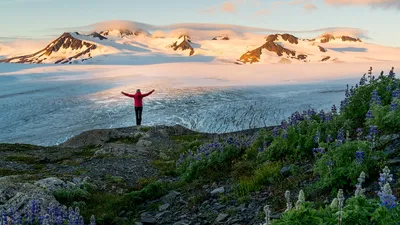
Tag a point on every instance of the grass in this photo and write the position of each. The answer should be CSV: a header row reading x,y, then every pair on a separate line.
x,y
126,140
145,129
19,147
87,151
21,158
187,138
9,172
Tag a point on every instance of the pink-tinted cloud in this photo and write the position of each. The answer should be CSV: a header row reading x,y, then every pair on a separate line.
x,y
228,7
375,3
262,12
310,7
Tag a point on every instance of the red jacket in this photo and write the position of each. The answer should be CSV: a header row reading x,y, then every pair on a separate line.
x,y
138,97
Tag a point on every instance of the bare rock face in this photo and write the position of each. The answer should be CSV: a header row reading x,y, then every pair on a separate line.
x,y
302,57
183,45
322,49
325,58
347,38
97,35
19,195
326,38
65,41
254,55
290,38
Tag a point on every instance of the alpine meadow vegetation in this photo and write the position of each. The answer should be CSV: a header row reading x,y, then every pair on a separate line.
x,y
318,166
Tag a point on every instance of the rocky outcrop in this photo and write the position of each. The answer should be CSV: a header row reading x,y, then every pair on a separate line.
x,y
351,39
54,52
97,35
183,44
322,49
326,38
302,57
224,38
19,196
125,32
255,55
325,58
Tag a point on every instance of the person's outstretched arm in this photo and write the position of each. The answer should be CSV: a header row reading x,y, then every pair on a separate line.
x,y
147,94
126,94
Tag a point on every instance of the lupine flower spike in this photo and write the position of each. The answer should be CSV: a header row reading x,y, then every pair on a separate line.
x,y
301,199
340,198
359,190
288,202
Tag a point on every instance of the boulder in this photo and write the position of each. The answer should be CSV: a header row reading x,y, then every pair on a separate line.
x,y
163,207
51,184
19,196
221,217
217,191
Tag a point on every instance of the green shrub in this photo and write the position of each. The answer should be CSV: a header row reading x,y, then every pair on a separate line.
x,y
388,121
338,167
68,196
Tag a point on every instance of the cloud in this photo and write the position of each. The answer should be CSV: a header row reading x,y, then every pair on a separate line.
x,y
310,7
229,7
375,3
262,12
225,7
164,30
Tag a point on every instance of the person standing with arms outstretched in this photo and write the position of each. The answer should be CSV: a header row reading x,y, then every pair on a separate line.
x,y
138,97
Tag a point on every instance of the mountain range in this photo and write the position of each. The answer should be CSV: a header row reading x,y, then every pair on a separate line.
x,y
136,46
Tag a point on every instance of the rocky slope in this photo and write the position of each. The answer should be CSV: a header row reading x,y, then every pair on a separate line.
x,y
271,45
117,161
63,50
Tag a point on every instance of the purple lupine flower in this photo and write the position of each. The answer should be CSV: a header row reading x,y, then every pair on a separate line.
x,y
363,80
340,137
260,149
284,135
317,151
396,94
4,217
360,156
359,132
311,112
347,93
321,115
388,88
329,139
275,132
328,117
376,98
388,200
393,106
385,177
206,153
284,124
369,115
352,91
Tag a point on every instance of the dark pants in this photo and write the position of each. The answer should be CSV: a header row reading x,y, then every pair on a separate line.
x,y
138,112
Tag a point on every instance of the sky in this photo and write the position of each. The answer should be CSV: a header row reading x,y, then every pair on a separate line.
x,y
48,18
